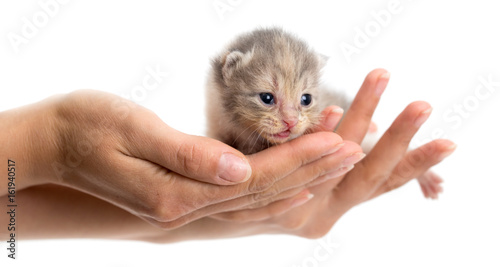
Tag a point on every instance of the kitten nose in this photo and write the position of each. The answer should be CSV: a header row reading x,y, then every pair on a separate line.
x,y
290,122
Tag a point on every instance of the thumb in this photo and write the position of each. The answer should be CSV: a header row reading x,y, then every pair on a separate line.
x,y
197,157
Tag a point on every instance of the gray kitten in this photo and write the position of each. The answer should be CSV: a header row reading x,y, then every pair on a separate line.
x,y
263,89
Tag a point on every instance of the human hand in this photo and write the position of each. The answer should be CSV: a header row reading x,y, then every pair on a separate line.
x,y
314,218
388,166
122,153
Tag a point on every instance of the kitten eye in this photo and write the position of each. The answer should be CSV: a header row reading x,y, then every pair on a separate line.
x,y
267,98
305,100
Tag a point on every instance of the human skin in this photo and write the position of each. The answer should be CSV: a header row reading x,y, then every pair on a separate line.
x,y
120,152
59,212
389,165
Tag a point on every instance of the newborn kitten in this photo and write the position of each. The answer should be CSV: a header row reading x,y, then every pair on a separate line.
x,y
263,89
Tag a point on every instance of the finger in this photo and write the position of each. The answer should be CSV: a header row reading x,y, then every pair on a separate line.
x,y
294,181
330,117
270,165
329,166
200,158
417,162
349,154
357,119
336,175
393,145
373,127
331,175
279,161
325,169
361,182
274,209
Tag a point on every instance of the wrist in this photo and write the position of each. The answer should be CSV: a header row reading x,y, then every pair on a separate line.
x,y
30,138
47,142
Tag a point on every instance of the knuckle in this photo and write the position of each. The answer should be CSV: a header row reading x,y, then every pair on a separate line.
x,y
192,155
317,170
266,194
260,183
167,208
163,214
428,150
417,158
399,135
404,169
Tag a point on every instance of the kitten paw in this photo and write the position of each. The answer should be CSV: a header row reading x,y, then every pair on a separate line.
x,y
430,183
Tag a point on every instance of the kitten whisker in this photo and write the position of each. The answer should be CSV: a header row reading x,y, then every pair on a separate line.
x,y
258,133
242,132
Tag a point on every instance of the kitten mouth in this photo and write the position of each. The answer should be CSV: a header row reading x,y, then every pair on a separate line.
x,y
281,135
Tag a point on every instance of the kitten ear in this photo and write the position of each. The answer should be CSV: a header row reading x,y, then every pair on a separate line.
x,y
233,61
322,60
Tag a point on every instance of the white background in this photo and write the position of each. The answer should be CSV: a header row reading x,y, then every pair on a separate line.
x,y
436,51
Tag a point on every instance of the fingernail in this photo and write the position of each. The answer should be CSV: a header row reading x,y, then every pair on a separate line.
x,y
233,169
422,117
452,147
338,110
334,149
331,121
449,151
382,83
338,172
302,200
353,159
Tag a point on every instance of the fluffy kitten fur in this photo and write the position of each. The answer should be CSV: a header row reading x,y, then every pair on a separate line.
x,y
265,61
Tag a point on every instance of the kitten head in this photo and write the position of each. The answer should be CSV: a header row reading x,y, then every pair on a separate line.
x,y
268,81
